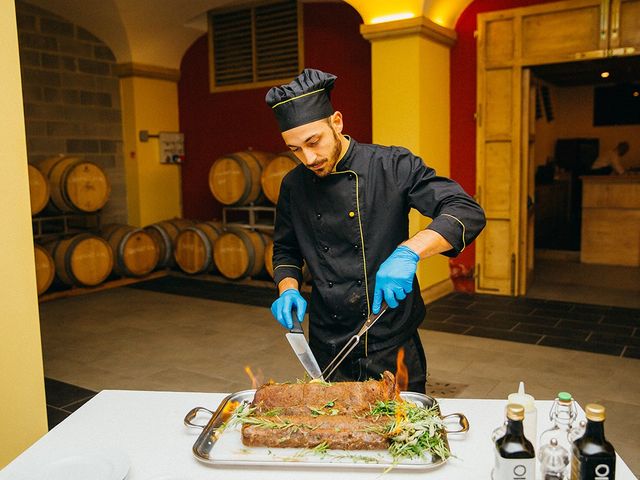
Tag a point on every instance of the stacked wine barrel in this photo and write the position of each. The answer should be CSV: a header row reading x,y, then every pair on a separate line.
x,y
76,185
239,179
84,260
194,247
274,172
65,184
136,252
249,177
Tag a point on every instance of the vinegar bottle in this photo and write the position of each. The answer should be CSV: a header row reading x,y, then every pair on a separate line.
x,y
593,457
515,456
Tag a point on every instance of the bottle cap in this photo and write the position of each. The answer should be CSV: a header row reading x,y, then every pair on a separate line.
x,y
564,396
522,398
515,411
553,457
595,412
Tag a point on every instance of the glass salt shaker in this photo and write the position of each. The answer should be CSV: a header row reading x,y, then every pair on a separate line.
x,y
554,460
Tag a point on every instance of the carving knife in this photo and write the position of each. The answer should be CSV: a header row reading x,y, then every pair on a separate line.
x,y
302,350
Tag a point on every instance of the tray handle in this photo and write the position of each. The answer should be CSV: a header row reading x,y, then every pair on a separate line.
x,y
192,414
462,421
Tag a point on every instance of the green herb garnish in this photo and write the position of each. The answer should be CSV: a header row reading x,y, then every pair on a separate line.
x,y
414,430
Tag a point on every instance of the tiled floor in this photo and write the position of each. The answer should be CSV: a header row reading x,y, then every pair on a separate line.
x,y
142,340
591,328
63,399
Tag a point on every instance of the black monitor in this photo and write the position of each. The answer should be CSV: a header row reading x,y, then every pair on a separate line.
x,y
616,105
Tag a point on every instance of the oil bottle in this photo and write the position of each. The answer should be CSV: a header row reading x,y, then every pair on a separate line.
x,y
515,456
593,457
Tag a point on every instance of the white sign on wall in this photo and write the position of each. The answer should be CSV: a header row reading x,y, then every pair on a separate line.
x,y
171,146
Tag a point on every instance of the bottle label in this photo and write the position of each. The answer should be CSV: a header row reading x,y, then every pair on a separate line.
x,y
514,468
593,468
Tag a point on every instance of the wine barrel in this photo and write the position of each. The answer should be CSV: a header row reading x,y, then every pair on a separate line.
x,y
193,248
136,252
234,179
85,260
268,263
274,172
239,253
76,185
164,234
45,269
38,190
268,258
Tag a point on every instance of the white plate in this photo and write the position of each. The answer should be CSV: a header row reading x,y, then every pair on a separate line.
x,y
105,464
167,477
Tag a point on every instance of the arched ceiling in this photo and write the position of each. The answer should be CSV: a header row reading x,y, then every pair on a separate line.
x,y
159,32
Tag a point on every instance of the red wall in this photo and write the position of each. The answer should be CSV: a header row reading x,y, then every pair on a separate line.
x,y
463,98
222,123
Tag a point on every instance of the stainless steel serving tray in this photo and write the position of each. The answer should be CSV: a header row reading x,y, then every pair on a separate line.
x,y
225,448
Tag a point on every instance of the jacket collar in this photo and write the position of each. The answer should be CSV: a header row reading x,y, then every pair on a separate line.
x,y
345,162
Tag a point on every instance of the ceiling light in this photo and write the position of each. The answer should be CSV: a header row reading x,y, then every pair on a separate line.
x,y
604,74
636,94
392,18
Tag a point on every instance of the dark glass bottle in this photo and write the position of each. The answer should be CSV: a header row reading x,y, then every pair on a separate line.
x,y
593,457
515,456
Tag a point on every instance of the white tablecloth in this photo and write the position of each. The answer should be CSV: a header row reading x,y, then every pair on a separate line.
x,y
149,427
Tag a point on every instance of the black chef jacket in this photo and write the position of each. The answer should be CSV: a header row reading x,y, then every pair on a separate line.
x,y
346,224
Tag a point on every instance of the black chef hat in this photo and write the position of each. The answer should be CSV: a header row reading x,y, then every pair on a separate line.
x,y
304,100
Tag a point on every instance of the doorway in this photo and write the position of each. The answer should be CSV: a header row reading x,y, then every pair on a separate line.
x,y
514,46
583,110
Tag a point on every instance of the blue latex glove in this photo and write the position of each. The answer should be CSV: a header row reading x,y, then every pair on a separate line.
x,y
395,277
283,307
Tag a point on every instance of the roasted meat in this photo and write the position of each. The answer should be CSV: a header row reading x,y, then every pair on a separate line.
x,y
339,431
301,398
309,414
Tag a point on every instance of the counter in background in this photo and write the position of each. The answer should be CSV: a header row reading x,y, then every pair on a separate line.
x,y
611,220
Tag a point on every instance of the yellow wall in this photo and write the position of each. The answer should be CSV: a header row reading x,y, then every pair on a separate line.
x,y
573,118
153,189
23,416
410,106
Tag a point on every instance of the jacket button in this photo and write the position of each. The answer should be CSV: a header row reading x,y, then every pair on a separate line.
x,y
364,314
356,246
350,176
330,284
334,316
318,216
325,248
359,282
352,214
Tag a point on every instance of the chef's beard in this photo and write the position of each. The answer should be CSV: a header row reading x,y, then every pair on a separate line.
x,y
332,159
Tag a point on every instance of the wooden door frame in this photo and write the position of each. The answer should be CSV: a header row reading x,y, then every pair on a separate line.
x,y
516,282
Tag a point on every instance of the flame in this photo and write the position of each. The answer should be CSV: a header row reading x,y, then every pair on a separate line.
x,y
402,373
230,407
257,379
254,380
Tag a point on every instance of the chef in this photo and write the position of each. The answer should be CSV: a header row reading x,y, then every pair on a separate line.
x,y
345,212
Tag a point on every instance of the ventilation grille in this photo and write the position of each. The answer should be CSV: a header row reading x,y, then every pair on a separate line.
x,y
255,44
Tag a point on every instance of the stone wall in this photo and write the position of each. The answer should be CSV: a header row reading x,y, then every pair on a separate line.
x,y
71,98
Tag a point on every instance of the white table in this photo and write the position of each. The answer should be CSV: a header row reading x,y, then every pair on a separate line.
x,y
149,427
